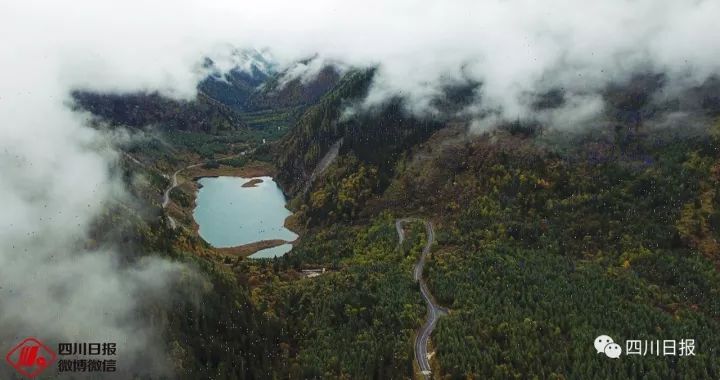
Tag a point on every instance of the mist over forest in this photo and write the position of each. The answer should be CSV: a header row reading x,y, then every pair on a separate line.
x,y
551,168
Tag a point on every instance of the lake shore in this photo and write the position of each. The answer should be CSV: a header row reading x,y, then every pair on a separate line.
x,y
191,188
251,248
252,169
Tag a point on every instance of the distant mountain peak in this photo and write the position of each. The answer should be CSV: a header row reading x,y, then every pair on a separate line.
x,y
251,62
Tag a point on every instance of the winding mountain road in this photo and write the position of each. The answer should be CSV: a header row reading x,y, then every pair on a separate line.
x,y
434,311
166,194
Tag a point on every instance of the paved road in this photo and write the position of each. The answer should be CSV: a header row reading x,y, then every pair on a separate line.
x,y
166,195
433,310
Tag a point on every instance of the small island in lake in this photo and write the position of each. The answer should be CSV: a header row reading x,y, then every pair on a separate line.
x,y
252,183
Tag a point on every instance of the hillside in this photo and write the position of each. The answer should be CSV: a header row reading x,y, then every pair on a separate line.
x,y
370,190
543,238
141,109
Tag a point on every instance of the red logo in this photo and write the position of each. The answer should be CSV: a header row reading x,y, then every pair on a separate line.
x,y
30,357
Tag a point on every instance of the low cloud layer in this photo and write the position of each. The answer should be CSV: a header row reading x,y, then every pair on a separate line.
x,y
54,171
56,180
512,46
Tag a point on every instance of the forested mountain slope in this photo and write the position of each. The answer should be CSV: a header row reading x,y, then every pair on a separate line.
x,y
545,239
141,110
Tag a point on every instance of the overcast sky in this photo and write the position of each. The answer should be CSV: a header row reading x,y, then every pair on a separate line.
x,y
54,175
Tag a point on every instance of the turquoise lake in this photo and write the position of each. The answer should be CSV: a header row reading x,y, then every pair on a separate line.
x,y
230,215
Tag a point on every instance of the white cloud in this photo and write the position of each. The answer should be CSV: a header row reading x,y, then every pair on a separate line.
x,y
54,176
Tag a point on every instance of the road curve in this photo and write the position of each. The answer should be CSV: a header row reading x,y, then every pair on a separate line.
x,y
174,183
166,197
433,310
166,194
